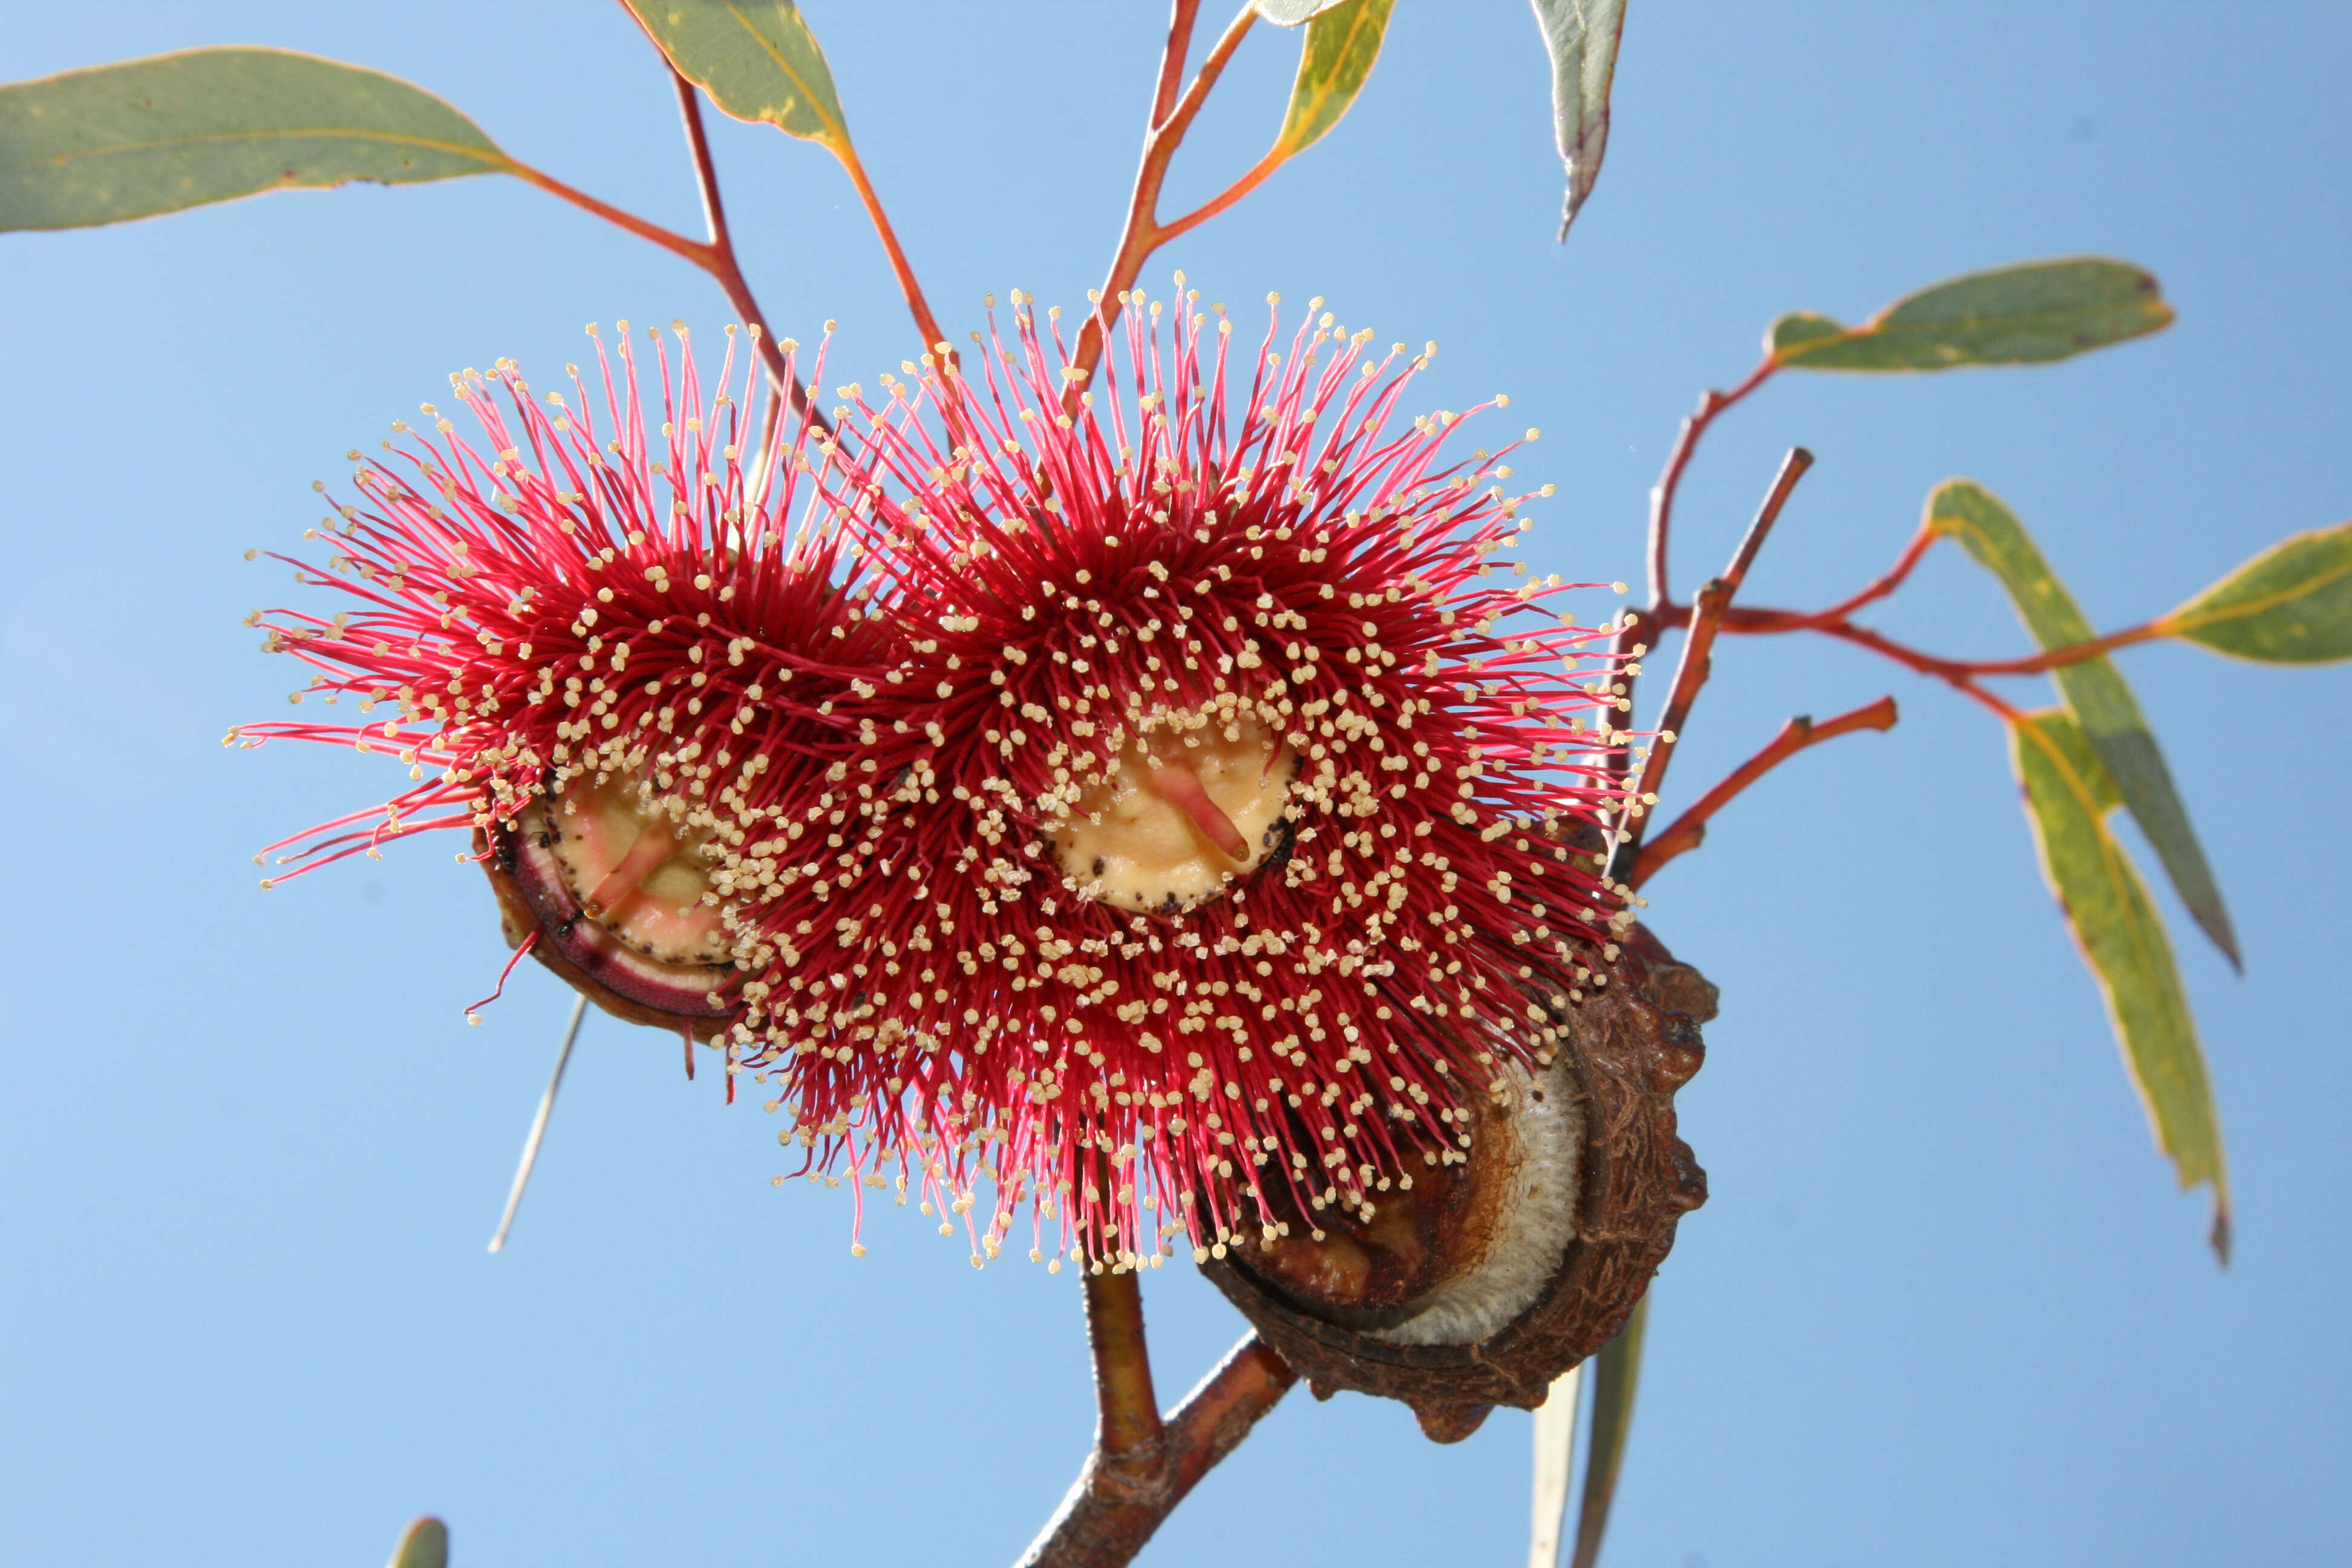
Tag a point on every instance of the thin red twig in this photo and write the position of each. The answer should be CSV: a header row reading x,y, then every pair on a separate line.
x,y
1254,176
1880,587
1697,660
720,261
1769,621
676,244
1142,233
1837,621
927,324
2052,658
1688,831
1687,440
1793,469
1181,20
1644,630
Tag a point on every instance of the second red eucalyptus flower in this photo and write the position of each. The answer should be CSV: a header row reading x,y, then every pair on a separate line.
x,y
1268,814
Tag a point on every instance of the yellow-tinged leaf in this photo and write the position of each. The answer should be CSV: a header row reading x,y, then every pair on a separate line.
x,y
2030,313
756,59
2094,689
2290,604
423,1544
172,131
2107,908
1343,42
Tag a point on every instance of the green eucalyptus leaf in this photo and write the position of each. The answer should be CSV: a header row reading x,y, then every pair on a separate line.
x,y
1581,36
2026,314
2094,689
1616,1374
756,59
1290,13
423,1544
1343,41
2107,908
155,136
2290,604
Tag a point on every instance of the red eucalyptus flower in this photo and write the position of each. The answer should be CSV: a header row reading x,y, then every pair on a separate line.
x,y
627,658
1255,852
1136,797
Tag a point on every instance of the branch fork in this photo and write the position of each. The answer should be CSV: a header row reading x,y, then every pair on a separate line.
x,y
1143,1464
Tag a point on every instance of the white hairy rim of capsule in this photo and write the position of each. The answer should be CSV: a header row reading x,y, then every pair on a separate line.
x,y
1541,1143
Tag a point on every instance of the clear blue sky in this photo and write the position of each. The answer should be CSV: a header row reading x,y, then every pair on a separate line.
x,y
1944,1307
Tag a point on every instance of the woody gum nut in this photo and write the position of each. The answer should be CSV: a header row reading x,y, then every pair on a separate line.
x,y
1496,1274
655,954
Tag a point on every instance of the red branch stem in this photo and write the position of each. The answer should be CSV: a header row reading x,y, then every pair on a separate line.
x,y
720,256
1832,624
1143,232
1662,494
715,257
1712,614
1662,520
1698,654
676,244
1837,621
1689,830
1120,1497
1128,1414
1181,18
917,306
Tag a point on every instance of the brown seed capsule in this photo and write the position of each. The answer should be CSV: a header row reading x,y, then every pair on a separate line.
x,y
614,889
1489,1278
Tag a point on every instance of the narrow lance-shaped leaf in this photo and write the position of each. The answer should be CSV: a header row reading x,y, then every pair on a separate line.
x,y
1616,1372
2290,604
1555,1427
423,1544
2067,797
2094,689
2027,314
1343,42
756,59
169,131
1581,36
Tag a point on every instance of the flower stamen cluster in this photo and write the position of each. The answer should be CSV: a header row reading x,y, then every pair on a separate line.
x,y
1137,796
